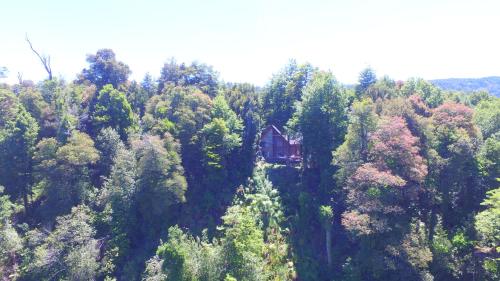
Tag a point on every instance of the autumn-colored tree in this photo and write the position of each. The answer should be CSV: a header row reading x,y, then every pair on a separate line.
x,y
381,196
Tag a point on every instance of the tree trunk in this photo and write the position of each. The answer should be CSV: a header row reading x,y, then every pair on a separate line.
x,y
328,235
25,201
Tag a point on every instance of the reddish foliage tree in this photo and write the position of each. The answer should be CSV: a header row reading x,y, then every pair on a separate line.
x,y
394,148
374,192
419,105
381,198
452,115
378,192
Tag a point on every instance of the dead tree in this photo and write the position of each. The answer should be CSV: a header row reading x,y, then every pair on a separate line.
x,y
43,58
20,78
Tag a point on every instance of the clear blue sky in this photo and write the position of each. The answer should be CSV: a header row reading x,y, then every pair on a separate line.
x,y
247,41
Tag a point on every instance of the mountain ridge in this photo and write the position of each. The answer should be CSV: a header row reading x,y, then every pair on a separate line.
x,y
489,83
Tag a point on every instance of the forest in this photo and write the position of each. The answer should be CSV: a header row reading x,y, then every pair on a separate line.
x,y
107,178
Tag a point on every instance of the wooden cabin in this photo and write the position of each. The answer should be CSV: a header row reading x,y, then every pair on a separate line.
x,y
278,148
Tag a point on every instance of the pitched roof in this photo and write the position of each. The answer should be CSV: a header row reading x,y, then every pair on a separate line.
x,y
291,141
274,128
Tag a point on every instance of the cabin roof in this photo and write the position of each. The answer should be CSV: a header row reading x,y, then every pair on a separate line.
x,y
274,128
290,141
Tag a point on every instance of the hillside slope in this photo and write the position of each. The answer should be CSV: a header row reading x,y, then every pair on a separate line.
x,y
491,84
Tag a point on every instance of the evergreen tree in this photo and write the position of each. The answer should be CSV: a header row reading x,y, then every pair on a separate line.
x,y
366,79
321,119
118,197
63,172
18,134
284,89
112,110
160,182
69,252
487,224
105,69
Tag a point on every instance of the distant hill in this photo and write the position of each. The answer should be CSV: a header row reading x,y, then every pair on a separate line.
x,y
491,84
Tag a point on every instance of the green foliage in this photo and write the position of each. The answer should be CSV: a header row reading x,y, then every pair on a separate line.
x,y
243,244
432,95
452,258
188,258
457,141
105,69
112,110
321,118
251,246
34,103
187,109
264,201
238,253
284,89
118,198
398,179
230,278
441,245
69,252
10,240
325,216
487,158
354,151
487,117
487,222
383,89
63,172
139,94
160,181
366,79
222,135
18,134
108,143
79,151
154,271
197,75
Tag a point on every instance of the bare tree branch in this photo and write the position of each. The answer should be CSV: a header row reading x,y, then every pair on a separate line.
x,y
43,58
20,78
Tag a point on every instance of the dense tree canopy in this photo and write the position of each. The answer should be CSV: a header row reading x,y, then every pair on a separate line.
x,y
18,133
106,178
197,75
284,89
105,69
112,110
320,118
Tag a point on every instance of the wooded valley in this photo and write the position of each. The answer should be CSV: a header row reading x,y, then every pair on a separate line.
x,y
106,178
